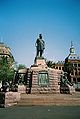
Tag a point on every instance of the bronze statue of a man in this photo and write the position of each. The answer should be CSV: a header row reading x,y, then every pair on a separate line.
x,y
40,46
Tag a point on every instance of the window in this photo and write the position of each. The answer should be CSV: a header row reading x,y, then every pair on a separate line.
x,y
43,79
62,68
74,80
75,65
59,68
78,79
72,73
56,67
78,65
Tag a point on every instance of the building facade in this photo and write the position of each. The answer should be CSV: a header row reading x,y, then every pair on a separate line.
x,y
72,66
59,65
5,52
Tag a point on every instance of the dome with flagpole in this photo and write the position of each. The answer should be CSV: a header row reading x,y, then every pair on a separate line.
x,y
72,55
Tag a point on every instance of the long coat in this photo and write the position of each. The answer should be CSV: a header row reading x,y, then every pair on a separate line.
x,y
40,44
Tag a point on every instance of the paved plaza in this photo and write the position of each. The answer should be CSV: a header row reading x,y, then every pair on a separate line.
x,y
40,112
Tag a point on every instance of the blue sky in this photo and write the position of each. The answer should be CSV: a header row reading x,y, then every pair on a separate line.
x,y
22,20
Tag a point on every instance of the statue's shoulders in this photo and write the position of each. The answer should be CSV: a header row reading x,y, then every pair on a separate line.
x,y
37,40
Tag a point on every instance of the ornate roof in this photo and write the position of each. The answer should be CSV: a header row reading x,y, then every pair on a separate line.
x,y
3,45
73,55
5,50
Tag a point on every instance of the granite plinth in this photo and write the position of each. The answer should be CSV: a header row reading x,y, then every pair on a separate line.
x,y
9,98
21,88
54,78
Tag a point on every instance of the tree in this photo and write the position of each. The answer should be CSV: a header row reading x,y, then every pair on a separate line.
x,y
21,66
68,67
6,71
50,64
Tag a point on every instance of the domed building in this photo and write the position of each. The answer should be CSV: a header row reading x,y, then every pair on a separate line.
x,y
72,66
5,52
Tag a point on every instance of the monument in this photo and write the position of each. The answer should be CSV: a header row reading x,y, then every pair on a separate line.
x,y
43,80
65,85
40,46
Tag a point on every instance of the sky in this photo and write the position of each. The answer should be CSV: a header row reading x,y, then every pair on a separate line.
x,y
21,22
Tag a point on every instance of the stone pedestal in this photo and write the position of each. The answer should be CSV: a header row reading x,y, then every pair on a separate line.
x,y
21,88
40,61
53,82
71,89
9,98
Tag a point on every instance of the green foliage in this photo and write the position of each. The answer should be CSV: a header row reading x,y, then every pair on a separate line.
x,y
68,67
50,64
21,66
6,71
